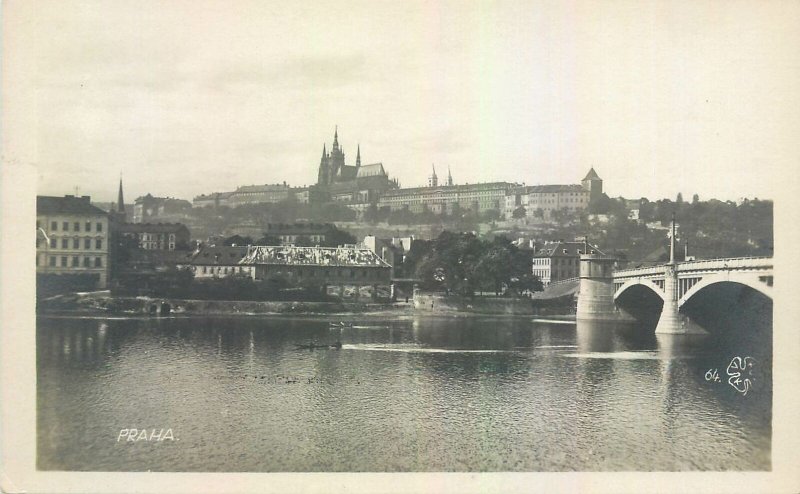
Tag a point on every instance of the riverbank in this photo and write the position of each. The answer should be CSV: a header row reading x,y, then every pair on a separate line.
x,y
96,304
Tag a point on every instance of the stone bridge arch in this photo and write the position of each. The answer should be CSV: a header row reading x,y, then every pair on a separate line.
x,y
645,282
752,280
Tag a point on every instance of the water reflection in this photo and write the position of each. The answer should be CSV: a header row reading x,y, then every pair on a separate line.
x,y
425,393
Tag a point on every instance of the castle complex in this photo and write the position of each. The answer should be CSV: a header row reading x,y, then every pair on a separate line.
x,y
358,187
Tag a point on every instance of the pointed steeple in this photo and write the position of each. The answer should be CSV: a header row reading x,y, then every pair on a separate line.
x,y
336,137
324,151
433,180
449,177
120,199
358,156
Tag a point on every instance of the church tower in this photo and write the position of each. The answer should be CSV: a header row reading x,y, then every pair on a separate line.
x,y
594,184
323,178
433,180
449,177
120,199
336,159
358,157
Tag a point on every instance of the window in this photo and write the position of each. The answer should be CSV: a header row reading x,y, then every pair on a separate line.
x,y
65,243
87,263
77,226
52,261
54,226
99,227
63,261
76,243
87,243
65,226
88,226
98,262
53,243
98,244
76,262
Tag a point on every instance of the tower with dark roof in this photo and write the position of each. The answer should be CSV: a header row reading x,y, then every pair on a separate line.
x,y
594,184
449,177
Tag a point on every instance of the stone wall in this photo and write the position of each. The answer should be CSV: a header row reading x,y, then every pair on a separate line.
x,y
449,304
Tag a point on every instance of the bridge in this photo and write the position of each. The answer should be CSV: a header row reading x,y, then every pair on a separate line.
x,y
674,282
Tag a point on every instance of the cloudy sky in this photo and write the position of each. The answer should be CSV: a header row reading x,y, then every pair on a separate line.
x,y
190,97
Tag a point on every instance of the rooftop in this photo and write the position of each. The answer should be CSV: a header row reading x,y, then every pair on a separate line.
x,y
150,227
67,205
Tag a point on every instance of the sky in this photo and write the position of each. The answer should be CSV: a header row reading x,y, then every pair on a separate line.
x,y
182,98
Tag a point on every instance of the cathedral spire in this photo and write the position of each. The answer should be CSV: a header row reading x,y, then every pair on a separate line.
x,y
120,199
358,156
449,177
324,151
433,180
336,137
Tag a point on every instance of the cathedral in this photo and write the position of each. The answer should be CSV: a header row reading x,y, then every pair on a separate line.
x,y
332,168
357,186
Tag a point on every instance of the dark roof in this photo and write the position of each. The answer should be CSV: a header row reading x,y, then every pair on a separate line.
x,y
592,175
219,256
573,249
67,205
554,188
151,227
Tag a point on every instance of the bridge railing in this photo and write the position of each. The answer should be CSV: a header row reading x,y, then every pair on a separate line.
x,y
701,265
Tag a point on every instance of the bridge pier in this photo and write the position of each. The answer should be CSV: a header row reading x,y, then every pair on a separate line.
x,y
596,289
671,321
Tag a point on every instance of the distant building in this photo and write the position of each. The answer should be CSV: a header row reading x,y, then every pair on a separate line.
x,y
542,200
392,250
557,261
290,233
72,237
148,208
156,236
445,199
348,272
246,194
218,262
355,186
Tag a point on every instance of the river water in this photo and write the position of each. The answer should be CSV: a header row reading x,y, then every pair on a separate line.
x,y
404,393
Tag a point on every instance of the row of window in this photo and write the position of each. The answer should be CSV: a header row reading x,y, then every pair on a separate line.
x,y
76,243
76,226
87,262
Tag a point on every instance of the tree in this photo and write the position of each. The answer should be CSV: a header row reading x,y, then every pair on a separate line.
x,y
335,237
679,199
237,240
519,213
695,199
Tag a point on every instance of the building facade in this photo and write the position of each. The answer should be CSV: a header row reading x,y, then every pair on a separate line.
x,y
444,199
558,261
291,233
147,208
72,238
541,201
156,236
347,272
246,194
